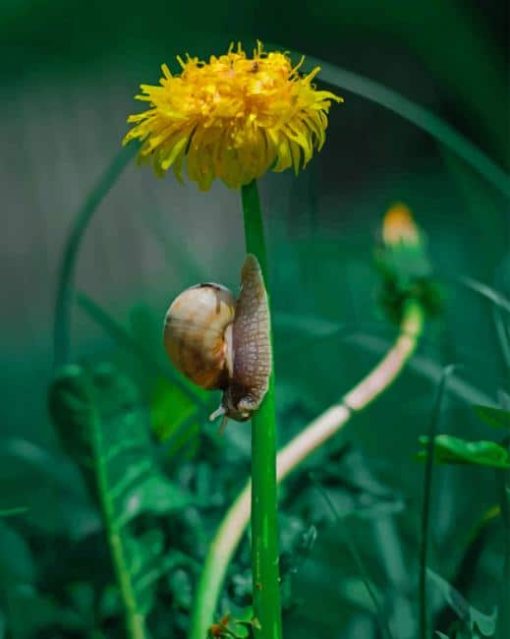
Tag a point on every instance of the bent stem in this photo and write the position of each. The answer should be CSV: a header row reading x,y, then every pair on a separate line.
x,y
310,439
264,524
61,326
417,115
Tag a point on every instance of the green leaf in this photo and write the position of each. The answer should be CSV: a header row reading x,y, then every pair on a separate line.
x,y
172,412
105,427
454,450
473,618
496,417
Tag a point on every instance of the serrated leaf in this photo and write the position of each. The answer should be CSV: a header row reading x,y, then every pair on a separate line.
x,y
496,417
454,450
103,424
473,618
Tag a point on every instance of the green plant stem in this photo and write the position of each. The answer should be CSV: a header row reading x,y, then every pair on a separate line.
x,y
264,522
134,619
310,439
61,326
427,496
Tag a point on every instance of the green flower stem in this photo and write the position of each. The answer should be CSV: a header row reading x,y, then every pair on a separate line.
x,y
264,523
310,439
61,328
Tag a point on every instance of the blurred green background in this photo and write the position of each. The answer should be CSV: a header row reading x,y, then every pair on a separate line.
x,y
69,73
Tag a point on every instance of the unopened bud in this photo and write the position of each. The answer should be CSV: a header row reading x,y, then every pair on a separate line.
x,y
399,227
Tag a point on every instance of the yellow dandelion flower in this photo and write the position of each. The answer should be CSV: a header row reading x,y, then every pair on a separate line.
x,y
232,118
399,226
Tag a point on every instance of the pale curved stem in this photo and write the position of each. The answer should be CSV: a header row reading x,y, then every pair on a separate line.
x,y
310,439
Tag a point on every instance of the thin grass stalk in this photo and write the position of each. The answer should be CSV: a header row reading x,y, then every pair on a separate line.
x,y
425,513
264,522
417,115
503,479
310,439
63,301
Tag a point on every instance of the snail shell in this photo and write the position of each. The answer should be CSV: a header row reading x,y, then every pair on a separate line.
x,y
218,342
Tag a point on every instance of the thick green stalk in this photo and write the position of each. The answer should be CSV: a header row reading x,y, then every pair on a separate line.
x,y
264,524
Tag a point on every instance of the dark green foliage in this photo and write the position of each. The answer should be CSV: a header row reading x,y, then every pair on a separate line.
x,y
103,425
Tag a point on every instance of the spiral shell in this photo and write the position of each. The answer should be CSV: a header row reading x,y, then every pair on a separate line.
x,y
198,334
220,343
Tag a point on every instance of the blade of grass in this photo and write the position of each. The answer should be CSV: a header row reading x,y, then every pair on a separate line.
x,y
427,495
487,292
467,569
62,311
423,119
388,544
379,612
503,480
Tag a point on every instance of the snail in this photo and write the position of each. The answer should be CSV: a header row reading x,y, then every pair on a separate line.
x,y
219,342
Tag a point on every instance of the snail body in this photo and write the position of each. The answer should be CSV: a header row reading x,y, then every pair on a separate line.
x,y
219,342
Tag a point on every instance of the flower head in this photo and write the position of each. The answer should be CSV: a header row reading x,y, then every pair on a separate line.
x,y
232,118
